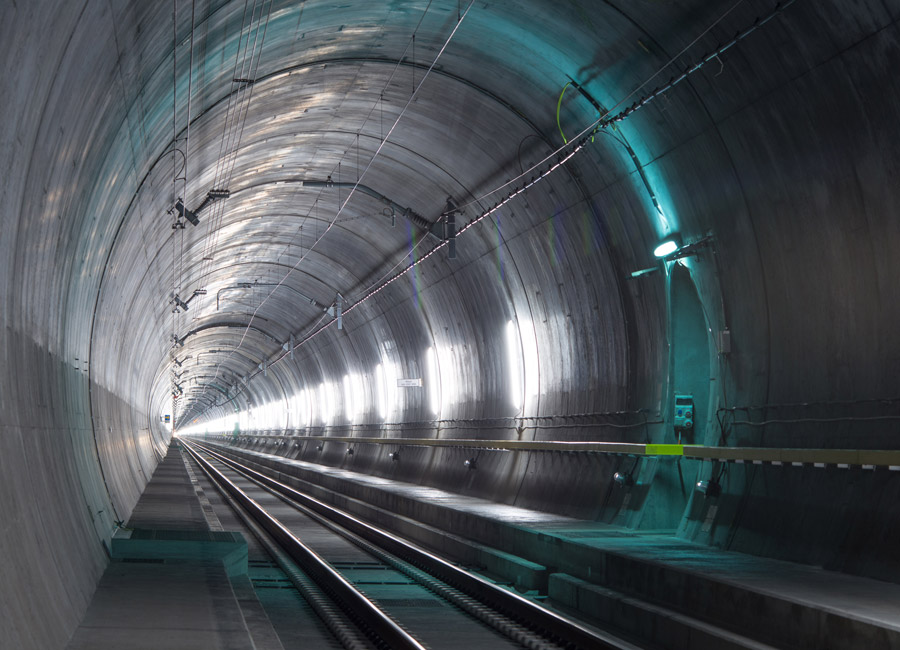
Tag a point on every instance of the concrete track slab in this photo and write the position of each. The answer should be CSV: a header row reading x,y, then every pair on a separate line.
x,y
803,601
176,593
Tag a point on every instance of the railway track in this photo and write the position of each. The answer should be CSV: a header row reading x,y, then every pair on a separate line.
x,y
373,589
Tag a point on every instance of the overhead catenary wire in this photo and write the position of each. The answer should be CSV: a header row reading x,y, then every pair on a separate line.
x,y
207,258
555,159
174,147
232,133
602,120
384,140
244,71
605,120
600,123
362,175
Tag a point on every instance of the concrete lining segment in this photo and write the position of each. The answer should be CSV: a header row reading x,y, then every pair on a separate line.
x,y
163,606
801,605
229,548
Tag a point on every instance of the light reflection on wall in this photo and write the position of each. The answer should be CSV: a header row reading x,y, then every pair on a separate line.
x,y
301,410
354,397
433,382
449,382
326,402
522,362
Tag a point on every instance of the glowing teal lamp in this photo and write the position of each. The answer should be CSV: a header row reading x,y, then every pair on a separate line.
x,y
667,247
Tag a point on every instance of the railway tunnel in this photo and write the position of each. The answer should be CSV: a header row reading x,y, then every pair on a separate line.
x,y
605,290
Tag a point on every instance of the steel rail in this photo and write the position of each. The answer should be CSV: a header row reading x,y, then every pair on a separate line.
x,y
332,616
503,625
521,610
359,608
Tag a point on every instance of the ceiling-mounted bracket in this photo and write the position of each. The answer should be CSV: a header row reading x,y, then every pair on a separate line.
x,y
289,347
450,228
339,310
191,215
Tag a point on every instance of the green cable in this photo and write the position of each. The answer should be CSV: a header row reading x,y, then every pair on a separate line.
x,y
558,104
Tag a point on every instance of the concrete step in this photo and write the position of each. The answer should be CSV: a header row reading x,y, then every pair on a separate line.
x,y
650,623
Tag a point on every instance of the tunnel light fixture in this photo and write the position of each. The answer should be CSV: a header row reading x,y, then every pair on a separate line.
x,y
623,479
709,489
672,249
666,248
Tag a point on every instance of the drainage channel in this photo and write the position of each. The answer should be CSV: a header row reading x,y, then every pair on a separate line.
x,y
438,604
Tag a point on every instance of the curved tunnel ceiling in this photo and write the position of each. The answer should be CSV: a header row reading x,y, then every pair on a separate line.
x,y
328,85
774,163
289,105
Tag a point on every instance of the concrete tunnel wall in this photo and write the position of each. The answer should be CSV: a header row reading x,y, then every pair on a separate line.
x,y
784,150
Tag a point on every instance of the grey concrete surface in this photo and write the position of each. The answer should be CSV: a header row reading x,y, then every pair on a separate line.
x,y
594,567
173,606
173,583
784,149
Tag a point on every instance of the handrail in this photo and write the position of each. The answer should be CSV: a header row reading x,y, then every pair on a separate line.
x,y
867,458
629,448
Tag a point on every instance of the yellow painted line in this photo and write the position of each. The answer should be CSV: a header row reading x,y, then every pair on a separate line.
x,y
664,450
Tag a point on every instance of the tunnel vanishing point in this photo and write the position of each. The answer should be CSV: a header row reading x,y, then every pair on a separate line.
x,y
627,265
